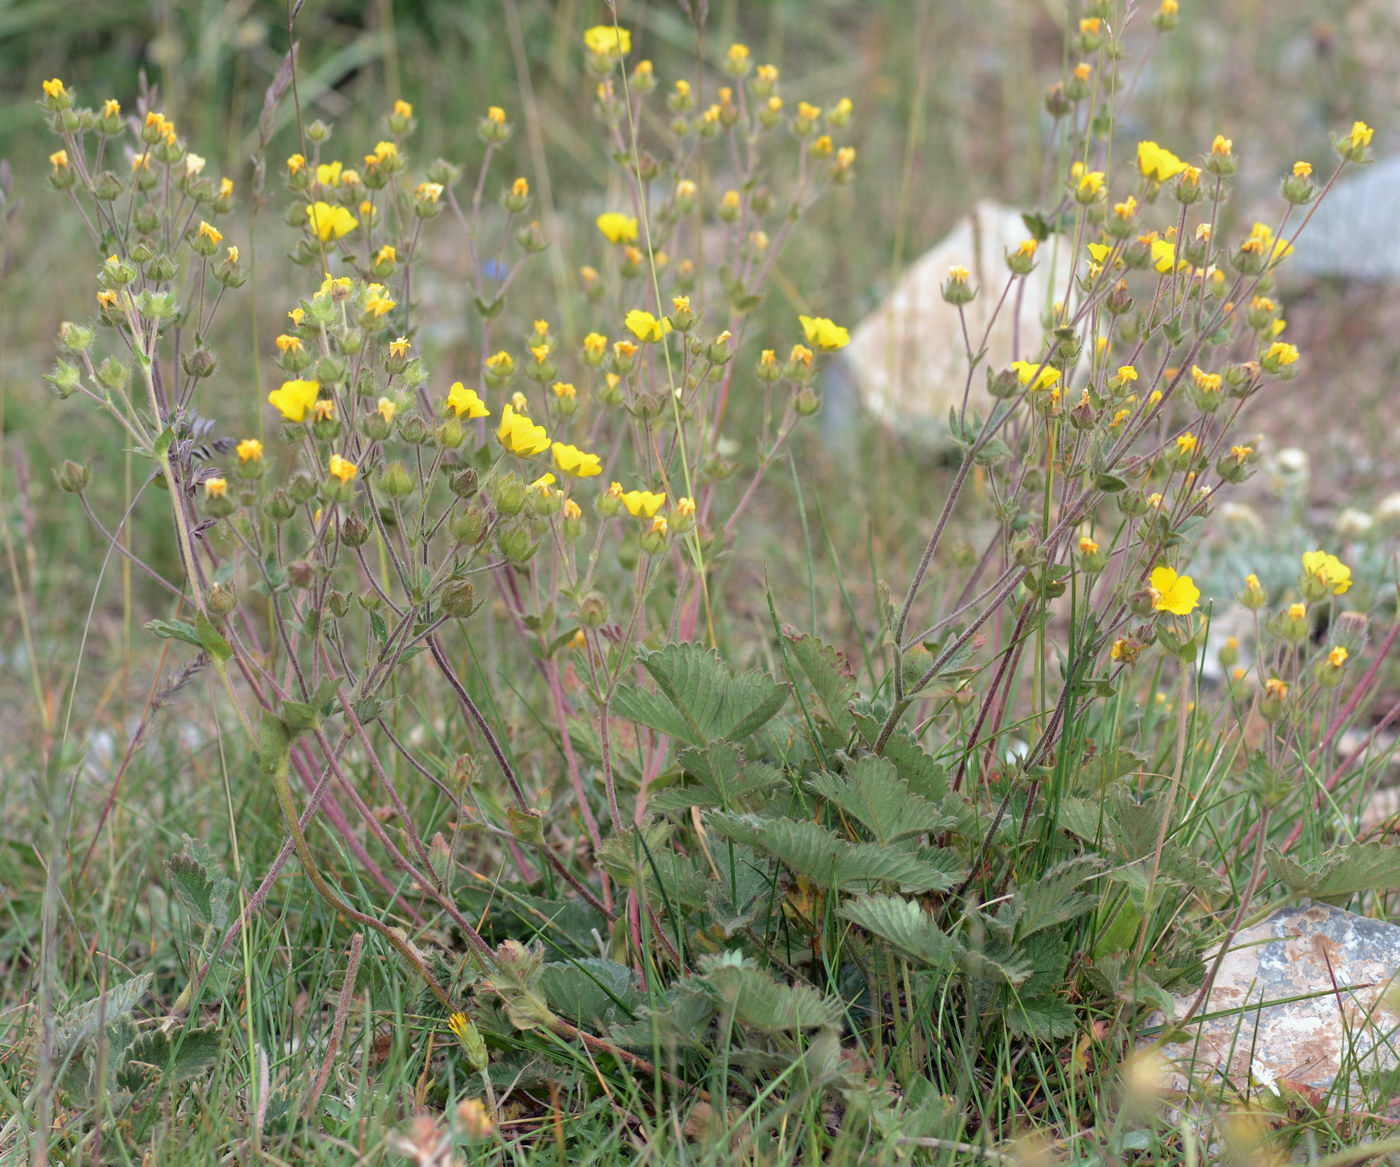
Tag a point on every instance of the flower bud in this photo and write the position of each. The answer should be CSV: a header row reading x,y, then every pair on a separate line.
x,y
467,526
507,493
354,532
464,483
516,542
394,481
279,506
199,363
71,477
459,600
414,430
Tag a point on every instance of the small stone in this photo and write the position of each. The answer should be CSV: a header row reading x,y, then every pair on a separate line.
x,y
908,359
1329,972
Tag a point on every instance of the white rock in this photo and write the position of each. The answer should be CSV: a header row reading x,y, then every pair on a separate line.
x,y
909,359
1306,1001
1352,235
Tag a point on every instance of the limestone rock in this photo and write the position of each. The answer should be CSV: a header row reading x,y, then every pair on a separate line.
x,y
908,358
1352,234
1334,1016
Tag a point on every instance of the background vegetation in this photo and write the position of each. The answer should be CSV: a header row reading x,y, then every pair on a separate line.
x,y
110,762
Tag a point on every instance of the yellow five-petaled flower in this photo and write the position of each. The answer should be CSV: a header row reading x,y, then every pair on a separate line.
x,y
294,398
644,326
519,435
617,227
466,402
329,222
1328,570
823,334
1157,163
1177,594
572,460
341,468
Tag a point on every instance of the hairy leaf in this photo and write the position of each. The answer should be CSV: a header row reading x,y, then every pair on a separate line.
x,y
833,682
1339,873
904,924
872,792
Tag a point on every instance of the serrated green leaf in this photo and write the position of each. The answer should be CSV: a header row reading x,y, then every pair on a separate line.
x,y
1054,896
1040,1019
1339,873
872,792
592,991
698,700
169,1057
904,924
832,679
830,861
757,1000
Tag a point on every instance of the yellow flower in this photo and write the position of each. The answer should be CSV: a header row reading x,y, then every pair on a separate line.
x,y
226,188
1158,164
399,347
1205,382
386,254
215,487
1083,71
1276,688
1090,182
295,163
1240,453
595,344
297,315
1337,657
823,334
1297,611
288,344
1033,375
1173,593
1261,242
328,222
111,108
1280,354
1127,373
386,409
1302,170
958,274
623,349
249,450
107,298
1222,146
1090,25
564,390
645,326
328,173
59,159
466,401
1164,256
1328,570
540,352
428,192
322,409
642,504
1187,442
337,288
55,88
376,303
608,40
500,363
403,109
1087,546
294,398
808,112
1126,208
1358,139
383,151
572,460
520,436
341,468
617,227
